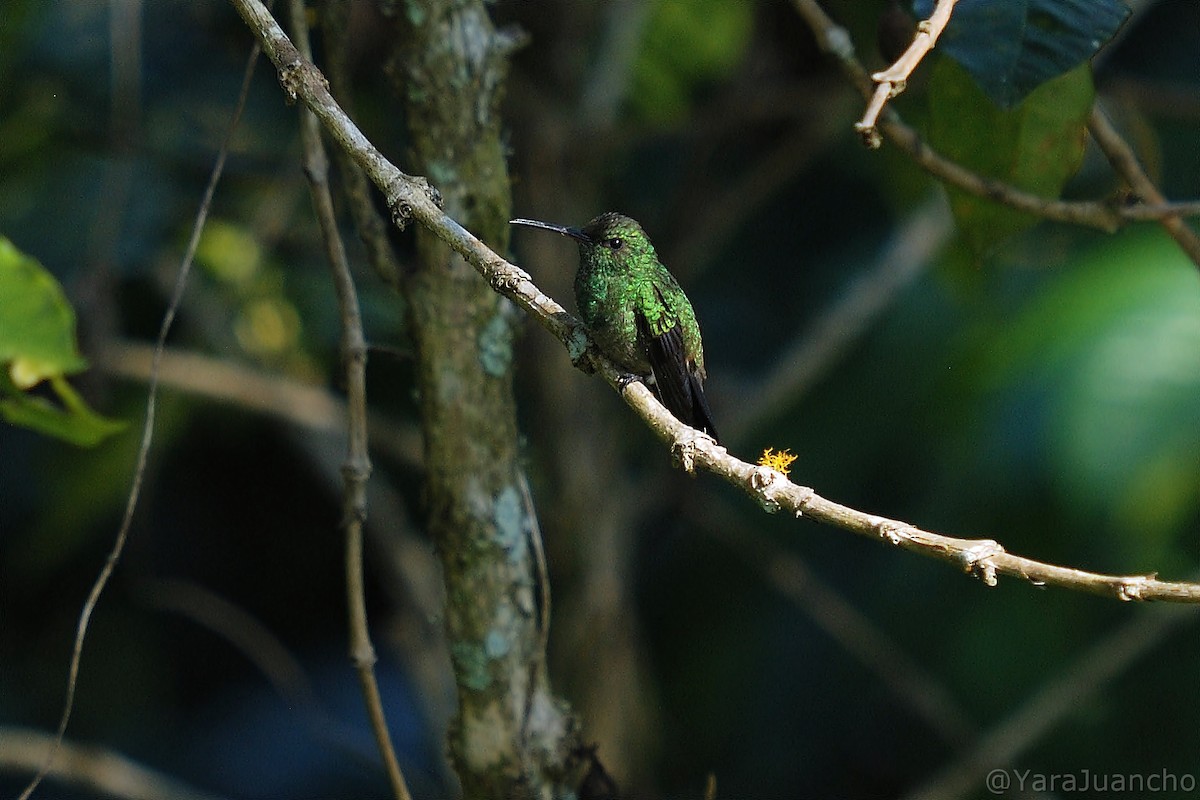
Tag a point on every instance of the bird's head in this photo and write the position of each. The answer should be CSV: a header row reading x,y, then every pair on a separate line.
x,y
608,237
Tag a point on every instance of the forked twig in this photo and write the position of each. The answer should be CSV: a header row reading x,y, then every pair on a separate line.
x,y
1102,215
1125,162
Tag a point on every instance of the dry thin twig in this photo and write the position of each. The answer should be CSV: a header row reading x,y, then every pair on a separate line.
x,y
101,771
1104,216
411,198
357,466
282,397
139,473
1122,158
892,81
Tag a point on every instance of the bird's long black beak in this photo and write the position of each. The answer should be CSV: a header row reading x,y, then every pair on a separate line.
x,y
574,233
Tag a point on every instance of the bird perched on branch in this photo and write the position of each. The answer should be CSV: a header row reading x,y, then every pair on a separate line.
x,y
636,313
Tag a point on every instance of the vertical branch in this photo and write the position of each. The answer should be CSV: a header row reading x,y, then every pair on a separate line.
x,y
357,467
511,737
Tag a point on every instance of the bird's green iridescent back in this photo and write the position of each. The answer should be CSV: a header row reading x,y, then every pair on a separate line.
x,y
637,315
620,277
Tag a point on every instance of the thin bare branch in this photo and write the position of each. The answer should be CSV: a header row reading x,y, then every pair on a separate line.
x,y
283,398
892,81
102,772
1125,162
412,198
357,467
139,474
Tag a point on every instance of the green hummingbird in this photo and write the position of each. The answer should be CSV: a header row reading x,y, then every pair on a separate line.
x,y
636,313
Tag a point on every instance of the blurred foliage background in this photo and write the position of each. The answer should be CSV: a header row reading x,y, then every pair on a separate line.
x,y
1046,393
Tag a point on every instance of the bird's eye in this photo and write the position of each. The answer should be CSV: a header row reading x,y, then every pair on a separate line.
x,y
614,243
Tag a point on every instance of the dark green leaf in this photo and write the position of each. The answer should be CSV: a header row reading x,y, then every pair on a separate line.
x,y
1010,47
1036,146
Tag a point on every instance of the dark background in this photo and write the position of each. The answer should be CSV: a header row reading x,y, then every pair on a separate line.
x,y
1045,395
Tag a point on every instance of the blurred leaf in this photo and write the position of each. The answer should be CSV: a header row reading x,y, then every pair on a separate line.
x,y
77,424
1011,47
37,324
687,43
230,252
1036,146
37,342
1115,345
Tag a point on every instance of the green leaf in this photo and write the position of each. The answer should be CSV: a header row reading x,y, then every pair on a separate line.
x,y
1111,346
1036,146
37,343
1010,47
37,324
75,422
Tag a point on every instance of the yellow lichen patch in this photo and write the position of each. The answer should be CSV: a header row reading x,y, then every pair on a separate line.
x,y
778,460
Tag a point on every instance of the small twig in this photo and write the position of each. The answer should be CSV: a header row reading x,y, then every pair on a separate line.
x,y
372,227
139,473
413,198
834,40
892,81
542,577
1125,162
357,467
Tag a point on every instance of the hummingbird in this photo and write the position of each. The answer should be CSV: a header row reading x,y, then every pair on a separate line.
x,y
636,313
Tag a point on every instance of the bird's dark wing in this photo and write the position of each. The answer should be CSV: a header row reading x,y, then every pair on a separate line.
x,y
678,386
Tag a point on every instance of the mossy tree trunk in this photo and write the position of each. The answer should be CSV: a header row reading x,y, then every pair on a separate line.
x,y
511,737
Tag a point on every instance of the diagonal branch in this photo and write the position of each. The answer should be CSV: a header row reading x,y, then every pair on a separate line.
x,y
97,771
892,81
1125,162
412,198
